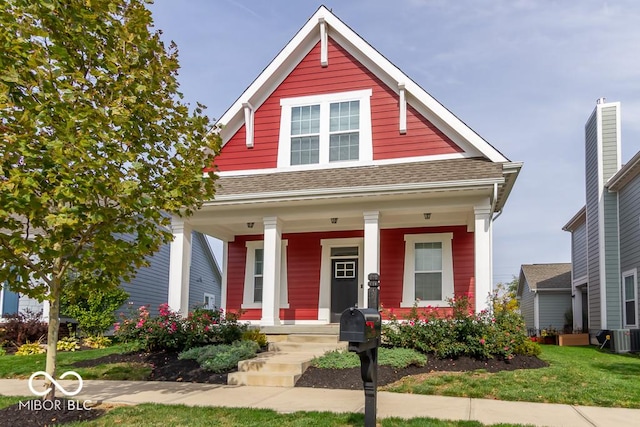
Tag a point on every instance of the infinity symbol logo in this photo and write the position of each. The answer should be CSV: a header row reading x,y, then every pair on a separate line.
x,y
55,383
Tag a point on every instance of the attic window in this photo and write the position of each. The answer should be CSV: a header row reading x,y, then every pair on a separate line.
x,y
324,129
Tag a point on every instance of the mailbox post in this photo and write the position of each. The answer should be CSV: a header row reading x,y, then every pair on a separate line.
x,y
362,328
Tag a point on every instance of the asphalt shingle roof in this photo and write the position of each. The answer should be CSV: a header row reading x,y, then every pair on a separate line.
x,y
362,176
547,276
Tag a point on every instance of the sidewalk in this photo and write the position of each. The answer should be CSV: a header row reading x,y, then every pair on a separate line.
x,y
288,400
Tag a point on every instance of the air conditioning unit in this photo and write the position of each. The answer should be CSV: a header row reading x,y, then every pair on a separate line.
x,y
620,340
634,338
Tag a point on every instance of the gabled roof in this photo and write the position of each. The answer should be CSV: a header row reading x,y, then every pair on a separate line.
x,y
578,219
545,277
625,175
306,38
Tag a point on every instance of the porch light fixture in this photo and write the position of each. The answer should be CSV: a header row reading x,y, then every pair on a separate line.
x,y
334,220
427,215
250,225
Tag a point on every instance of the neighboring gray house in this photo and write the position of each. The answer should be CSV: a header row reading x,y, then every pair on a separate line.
x,y
544,294
151,284
605,233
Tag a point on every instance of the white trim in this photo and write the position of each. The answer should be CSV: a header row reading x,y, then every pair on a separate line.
x,y
324,297
536,312
225,268
408,286
630,273
324,43
403,109
371,254
247,294
309,35
335,165
249,115
324,100
483,250
582,280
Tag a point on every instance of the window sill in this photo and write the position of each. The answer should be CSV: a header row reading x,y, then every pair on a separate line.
x,y
424,304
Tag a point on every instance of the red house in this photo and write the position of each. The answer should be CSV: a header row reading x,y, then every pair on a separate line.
x,y
335,164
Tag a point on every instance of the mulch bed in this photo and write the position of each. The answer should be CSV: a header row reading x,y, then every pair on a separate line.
x,y
167,367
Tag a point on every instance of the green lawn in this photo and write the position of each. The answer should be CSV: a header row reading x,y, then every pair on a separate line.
x,y
576,376
24,366
180,415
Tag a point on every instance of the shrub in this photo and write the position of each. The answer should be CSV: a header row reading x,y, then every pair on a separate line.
x,y
394,357
257,336
169,331
497,333
2,351
94,309
30,348
68,344
25,326
97,342
222,357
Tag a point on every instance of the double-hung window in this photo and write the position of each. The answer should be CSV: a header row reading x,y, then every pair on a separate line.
x,y
254,279
326,129
428,270
629,287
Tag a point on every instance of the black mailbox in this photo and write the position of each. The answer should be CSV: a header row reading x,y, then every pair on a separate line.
x,y
361,327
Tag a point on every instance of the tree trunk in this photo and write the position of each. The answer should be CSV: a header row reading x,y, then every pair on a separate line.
x,y
52,336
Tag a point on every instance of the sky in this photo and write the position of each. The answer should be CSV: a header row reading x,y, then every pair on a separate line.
x,y
524,74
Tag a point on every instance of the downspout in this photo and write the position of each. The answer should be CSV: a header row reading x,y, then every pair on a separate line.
x,y
494,201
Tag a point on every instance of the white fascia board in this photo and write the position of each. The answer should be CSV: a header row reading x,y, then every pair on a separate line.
x,y
299,45
357,191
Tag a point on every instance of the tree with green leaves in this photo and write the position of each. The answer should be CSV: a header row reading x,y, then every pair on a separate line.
x,y
97,146
93,308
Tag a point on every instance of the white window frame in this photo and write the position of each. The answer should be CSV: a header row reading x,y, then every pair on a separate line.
x,y
212,301
408,287
365,145
630,273
249,274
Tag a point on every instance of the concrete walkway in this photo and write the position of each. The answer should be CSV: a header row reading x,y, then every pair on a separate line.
x,y
286,400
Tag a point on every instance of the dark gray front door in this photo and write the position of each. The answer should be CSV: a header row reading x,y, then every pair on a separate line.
x,y
344,286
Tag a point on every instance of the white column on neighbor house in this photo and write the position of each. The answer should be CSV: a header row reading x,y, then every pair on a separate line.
x,y
483,251
179,266
271,271
225,263
371,250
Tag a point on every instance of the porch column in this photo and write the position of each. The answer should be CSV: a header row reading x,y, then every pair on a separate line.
x,y
223,285
371,250
271,271
483,251
179,266
576,300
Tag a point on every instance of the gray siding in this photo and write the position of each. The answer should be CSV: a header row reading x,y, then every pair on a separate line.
x,y
629,204
552,307
150,286
579,251
610,200
202,278
592,181
527,307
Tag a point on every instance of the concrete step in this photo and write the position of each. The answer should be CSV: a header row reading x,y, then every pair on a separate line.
x,y
279,364
290,347
267,379
330,339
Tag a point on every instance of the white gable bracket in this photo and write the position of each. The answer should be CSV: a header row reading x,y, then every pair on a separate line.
x,y
403,109
248,123
324,39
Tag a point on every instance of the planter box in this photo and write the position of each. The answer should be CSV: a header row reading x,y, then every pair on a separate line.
x,y
573,339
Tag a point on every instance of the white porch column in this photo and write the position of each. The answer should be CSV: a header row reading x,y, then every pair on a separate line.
x,y
371,250
271,271
483,251
577,309
225,263
179,266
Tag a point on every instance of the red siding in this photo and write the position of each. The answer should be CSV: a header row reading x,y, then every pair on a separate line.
x,y
344,73
392,263
304,258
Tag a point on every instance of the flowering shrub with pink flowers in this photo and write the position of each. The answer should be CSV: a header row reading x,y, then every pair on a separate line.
x,y
492,333
170,331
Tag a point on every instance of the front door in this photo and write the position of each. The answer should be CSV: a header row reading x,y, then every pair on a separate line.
x,y
344,286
